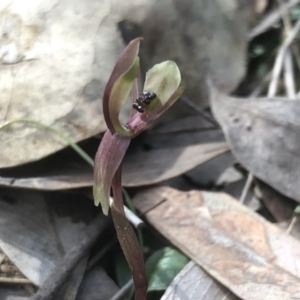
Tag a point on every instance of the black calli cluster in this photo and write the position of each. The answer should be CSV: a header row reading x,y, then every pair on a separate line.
x,y
143,100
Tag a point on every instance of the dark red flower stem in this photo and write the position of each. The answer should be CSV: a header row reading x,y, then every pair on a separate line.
x,y
128,240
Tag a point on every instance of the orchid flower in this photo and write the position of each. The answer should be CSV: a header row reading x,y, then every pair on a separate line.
x,y
161,90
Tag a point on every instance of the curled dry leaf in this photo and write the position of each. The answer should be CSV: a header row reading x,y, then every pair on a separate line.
x,y
264,136
250,256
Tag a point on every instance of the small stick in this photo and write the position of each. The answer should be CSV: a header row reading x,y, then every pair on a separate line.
x,y
121,293
279,59
246,188
289,80
292,224
130,216
61,272
270,20
15,280
289,75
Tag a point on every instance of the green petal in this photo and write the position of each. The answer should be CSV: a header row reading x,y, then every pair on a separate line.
x,y
163,80
119,95
124,65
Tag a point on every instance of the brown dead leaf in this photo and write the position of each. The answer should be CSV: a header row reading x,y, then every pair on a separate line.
x,y
247,254
194,283
149,167
264,137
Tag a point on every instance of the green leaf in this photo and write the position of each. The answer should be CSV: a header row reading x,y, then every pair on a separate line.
x,y
163,266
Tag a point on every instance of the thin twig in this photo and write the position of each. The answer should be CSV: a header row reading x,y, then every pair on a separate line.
x,y
246,188
287,29
133,219
15,280
270,20
289,80
123,291
61,272
130,216
279,59
292,224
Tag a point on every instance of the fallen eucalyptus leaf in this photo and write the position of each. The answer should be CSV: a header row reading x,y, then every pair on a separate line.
x,y
250,256
264,137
